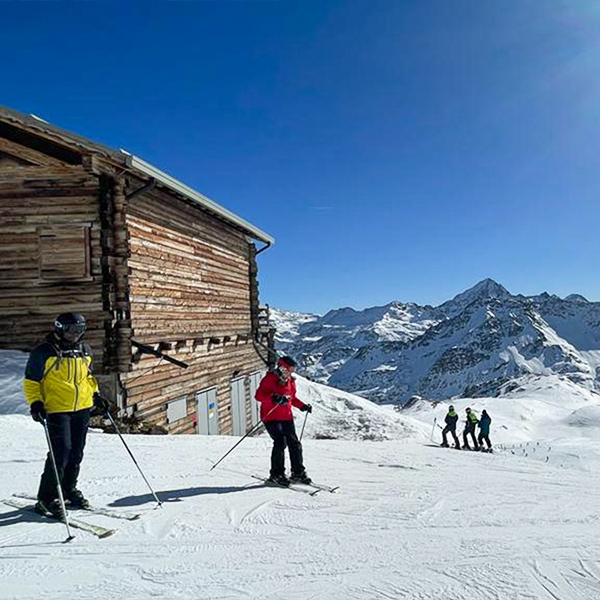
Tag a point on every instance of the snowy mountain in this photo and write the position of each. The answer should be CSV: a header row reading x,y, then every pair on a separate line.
x,y
484,290
323,344
469,346
287,324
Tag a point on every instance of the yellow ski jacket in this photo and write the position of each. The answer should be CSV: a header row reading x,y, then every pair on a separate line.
x,y
60,378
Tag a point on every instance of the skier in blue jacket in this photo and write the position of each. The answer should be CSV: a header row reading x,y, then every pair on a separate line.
x,y
484,430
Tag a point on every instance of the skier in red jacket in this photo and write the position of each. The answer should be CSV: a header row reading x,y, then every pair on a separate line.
x,y
277,394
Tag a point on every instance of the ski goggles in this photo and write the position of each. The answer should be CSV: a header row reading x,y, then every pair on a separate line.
x,y
72,328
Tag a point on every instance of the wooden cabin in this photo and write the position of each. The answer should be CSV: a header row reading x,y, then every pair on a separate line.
x,y
153,265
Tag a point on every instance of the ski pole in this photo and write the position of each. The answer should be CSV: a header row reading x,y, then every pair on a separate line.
x,y
433,428
247,434
132,457
58,486
303,425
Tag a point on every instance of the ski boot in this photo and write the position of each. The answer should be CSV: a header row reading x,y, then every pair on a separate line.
x,y
444,445
279,480
300,478
50,509
76,500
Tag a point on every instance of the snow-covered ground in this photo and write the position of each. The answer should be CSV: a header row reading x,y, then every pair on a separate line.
x,y
410,520
12,367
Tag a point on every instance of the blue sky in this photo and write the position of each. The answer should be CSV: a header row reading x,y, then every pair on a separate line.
x,y
396,150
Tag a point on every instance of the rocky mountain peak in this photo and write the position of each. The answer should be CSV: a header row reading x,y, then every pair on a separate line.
x,y
577,298
487,288
474,343
483,291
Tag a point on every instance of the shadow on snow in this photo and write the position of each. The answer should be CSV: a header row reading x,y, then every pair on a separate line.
x,y
178,495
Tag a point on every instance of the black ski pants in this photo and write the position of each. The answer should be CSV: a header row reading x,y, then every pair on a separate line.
x,y
284,435
451,430
67,436
470,430
482,437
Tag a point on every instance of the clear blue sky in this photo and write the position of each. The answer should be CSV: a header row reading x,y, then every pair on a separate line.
x,y
396,150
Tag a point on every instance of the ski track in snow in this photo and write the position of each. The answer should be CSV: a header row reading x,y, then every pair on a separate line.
x,y
560,579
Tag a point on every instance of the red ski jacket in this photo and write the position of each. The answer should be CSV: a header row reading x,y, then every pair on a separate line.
x,y
271,384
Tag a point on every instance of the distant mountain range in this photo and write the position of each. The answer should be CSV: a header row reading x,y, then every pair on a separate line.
x,y
477,344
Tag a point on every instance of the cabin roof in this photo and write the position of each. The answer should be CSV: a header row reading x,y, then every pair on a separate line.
x,y
134,163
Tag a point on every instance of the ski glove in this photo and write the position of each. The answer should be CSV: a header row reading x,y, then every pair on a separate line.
x,y
100,402
38,411
280,399
307,408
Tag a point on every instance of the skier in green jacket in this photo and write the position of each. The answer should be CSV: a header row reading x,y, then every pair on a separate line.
x,y
470,423
451,420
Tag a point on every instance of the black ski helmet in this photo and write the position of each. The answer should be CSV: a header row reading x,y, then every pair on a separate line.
x,y
71,322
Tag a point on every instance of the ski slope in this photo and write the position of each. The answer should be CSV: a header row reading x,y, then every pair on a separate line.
x,y
410,520
12,367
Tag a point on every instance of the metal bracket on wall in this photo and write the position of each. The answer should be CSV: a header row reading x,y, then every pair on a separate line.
x,y
148,350
145,188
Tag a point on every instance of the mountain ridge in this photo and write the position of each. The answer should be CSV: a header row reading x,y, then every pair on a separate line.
x,y
476,342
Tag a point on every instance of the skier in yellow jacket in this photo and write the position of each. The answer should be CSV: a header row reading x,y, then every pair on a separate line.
x,y
61,391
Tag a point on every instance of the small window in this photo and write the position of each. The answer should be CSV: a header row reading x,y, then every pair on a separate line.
x,y
177,409
64,252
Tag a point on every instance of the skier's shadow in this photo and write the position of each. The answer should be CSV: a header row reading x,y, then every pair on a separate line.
x,y
19,515
23,515
178,495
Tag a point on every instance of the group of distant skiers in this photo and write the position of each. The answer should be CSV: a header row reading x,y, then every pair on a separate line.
x,y
471,422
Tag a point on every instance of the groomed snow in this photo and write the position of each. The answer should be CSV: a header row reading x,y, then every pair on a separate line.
x,y
410,520
12,367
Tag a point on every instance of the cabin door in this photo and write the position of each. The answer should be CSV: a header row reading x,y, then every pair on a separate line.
x,y
238,406
208,415
255,379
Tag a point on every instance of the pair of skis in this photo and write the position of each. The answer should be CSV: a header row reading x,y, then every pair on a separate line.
x,y
480,449
24,502
312,489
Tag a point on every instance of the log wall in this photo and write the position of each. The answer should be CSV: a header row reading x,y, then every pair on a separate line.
x,y
190,287
115,275
50,252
